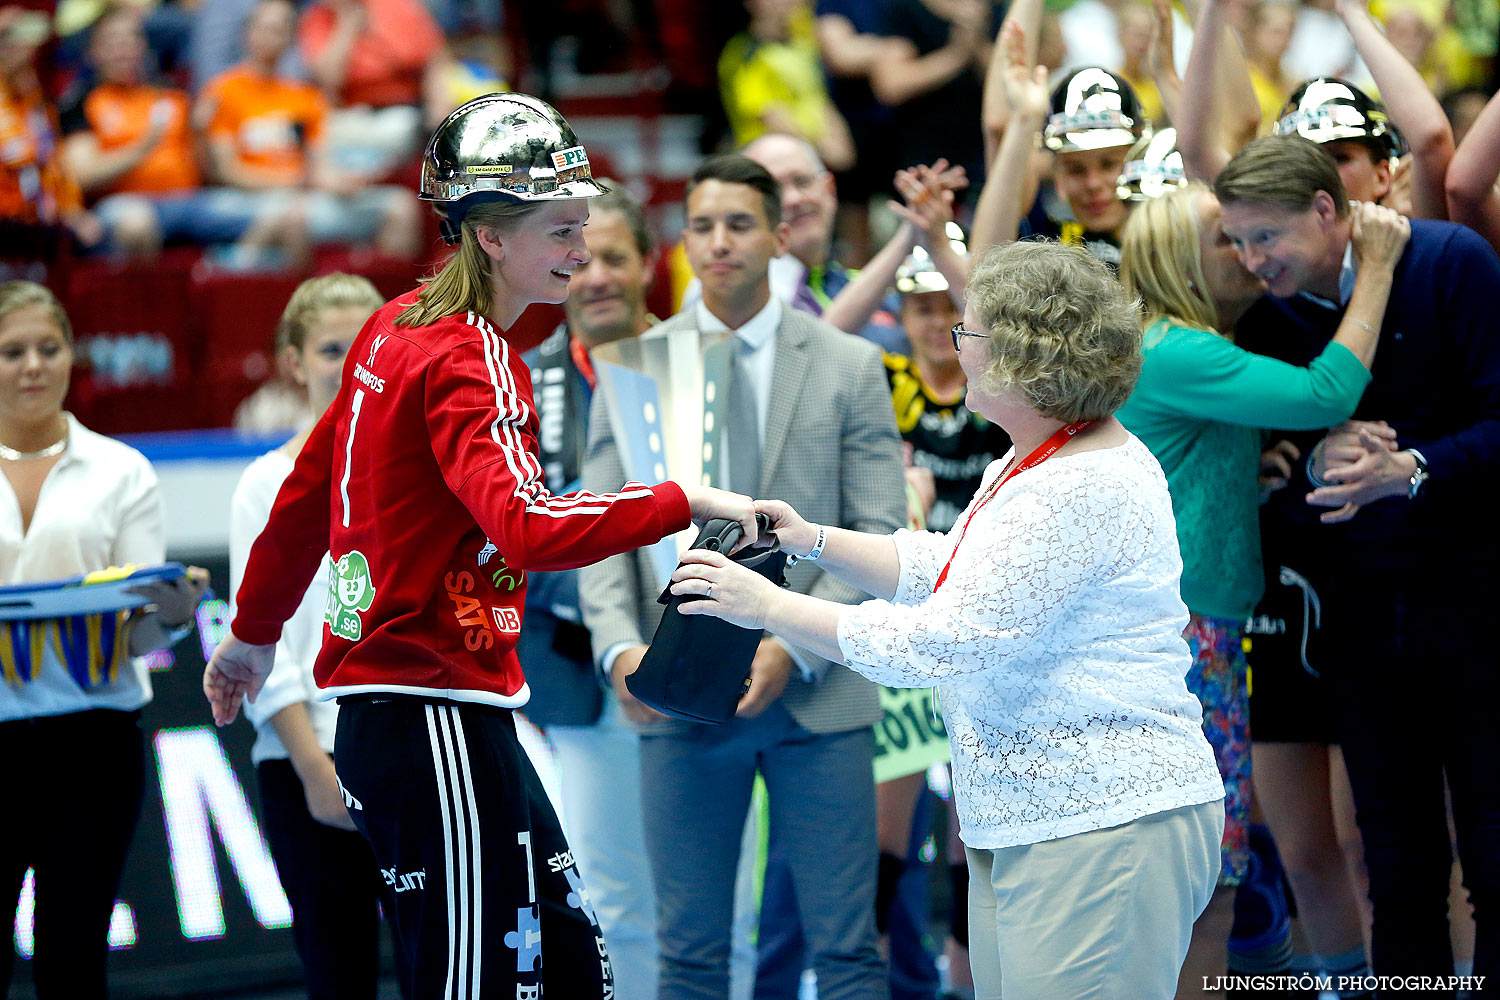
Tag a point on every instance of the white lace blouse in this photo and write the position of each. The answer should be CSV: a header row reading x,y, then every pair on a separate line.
x,y
1056,642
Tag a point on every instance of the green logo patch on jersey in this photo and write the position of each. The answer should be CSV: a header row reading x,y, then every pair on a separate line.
x,y
350,592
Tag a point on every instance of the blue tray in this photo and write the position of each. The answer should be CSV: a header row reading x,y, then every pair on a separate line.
x,y
91,593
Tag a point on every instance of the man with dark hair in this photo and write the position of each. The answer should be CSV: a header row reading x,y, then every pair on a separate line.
x,y
1413,688
807,277
742,170
808,420
598,755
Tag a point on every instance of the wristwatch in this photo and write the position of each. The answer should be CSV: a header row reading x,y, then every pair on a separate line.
x,y
1418,478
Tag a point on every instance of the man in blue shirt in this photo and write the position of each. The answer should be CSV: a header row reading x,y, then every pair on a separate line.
x,y
1387,504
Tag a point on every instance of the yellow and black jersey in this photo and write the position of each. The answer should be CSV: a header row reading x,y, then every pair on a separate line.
x,y
956,444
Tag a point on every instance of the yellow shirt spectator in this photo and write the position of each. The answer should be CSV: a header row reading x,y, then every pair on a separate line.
x,y
762,78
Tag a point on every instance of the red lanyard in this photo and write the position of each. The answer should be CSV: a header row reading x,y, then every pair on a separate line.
x,y
1047,450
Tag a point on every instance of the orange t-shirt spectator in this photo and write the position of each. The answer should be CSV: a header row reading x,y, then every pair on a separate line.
x,y
122,114
35,186
139,135
370,52
271,121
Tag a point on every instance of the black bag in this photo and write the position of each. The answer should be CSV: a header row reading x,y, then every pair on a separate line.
x,y
698,667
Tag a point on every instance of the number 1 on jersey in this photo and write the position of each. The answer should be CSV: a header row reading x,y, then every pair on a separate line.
x,y
359,399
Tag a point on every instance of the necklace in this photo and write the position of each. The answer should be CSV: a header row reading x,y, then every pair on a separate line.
x,y
55,448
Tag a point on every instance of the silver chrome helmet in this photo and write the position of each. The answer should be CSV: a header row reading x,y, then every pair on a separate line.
x,y
1327,109
1152,167
1093,108
919,273
503,146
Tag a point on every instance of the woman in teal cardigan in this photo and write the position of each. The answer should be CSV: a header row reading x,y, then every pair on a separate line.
x,y
1201,406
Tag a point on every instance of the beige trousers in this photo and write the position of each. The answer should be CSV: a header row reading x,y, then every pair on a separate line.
x,y
1103,915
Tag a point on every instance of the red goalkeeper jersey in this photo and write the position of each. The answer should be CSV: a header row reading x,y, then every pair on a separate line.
x,y
423,485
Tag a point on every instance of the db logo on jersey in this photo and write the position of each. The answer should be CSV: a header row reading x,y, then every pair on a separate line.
x,y
506,620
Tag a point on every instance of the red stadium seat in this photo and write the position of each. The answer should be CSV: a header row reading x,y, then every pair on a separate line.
x,y
237,316
134,347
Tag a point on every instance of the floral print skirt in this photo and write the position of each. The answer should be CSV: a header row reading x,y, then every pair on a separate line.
x,y
1218,678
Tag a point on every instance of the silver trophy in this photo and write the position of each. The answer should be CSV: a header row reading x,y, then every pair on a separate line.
x,y
666,393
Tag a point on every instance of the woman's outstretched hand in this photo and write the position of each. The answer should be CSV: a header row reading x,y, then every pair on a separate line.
x,y
797,535
237,670
729,591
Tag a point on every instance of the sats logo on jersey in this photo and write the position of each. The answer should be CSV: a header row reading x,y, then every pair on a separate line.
x,y
468,612
480,623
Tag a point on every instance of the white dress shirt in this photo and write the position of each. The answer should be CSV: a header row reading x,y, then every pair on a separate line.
x,y
1348,272
98,507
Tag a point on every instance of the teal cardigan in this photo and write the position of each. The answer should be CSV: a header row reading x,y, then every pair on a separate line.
x,y
1200,406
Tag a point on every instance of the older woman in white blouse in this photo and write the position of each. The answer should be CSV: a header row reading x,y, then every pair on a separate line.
x,y
1050,615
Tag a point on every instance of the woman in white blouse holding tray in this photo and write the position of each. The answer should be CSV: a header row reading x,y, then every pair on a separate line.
x,y
1050,616
327,869
71,502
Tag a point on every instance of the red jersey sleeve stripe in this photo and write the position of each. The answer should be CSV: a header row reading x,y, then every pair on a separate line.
x,y
511,410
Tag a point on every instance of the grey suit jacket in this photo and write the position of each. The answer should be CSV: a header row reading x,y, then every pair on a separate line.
x,y
831,451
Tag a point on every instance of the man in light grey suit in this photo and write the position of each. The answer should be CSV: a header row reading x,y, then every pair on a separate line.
x,y
810,422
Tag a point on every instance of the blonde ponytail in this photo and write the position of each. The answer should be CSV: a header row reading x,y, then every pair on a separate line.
x,y
465,283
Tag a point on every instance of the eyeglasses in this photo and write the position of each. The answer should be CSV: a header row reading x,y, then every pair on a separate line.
x,y
959,331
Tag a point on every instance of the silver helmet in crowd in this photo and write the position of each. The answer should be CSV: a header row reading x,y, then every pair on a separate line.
x,y
919,272
503,146
1152,167
1327,109
1093,108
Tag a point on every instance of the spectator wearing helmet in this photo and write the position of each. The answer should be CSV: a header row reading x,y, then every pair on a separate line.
x,y
1089,121
423,483
949,441
1394,550
1354,130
